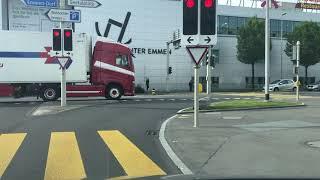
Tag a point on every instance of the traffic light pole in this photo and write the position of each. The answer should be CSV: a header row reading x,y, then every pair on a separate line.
x,y
63,87
168,58
267,52
209,71
196,96
298,62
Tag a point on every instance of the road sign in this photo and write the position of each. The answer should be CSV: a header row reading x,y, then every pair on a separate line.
x,y
64,15
84,3
41,3
197,53
64,62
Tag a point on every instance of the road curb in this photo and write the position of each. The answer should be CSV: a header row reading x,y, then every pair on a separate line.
x,y
241,109
176,160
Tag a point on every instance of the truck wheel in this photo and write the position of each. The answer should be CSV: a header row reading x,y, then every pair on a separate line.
x,y
114,92
49,94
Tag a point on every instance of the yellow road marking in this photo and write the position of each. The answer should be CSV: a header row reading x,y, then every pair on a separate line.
x,y
134,162
9,144
64,158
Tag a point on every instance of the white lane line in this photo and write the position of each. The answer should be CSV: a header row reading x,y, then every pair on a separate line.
x,y
161,99
246,98
17,103
213,113
232,118
183,99
148,100
182,117
215,98
172,99
124,100
185,115
257,98
226,98
176,160
237,98
137,100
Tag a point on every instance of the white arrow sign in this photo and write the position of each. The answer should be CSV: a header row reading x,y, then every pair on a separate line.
x,y
64,15
84,3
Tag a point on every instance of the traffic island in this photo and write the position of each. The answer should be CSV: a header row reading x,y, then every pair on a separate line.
x,y
246,144
236,105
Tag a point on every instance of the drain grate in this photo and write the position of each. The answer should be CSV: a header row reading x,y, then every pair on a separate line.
x,y
152,132
314,144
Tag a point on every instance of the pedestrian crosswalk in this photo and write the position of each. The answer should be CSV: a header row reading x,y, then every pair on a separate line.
x,y
64,158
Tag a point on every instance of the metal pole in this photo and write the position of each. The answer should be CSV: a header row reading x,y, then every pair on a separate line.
x,y
209,72
267,51
168,58
297,80
63,87
196,98
281,36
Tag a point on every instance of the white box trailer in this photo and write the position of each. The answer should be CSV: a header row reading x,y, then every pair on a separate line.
x,y
25,57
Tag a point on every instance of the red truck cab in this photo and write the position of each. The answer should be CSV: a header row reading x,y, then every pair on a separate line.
x,y
112,72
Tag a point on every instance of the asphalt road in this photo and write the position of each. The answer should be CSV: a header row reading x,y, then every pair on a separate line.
x,y
62,136
104,139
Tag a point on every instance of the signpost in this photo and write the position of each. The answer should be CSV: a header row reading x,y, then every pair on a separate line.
x,y
41,3
199,33
84,3
64,15
197,53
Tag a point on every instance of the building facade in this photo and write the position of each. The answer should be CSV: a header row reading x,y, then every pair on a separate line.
x,y
147,25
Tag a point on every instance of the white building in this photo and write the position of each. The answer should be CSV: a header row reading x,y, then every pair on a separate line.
x,y
151,24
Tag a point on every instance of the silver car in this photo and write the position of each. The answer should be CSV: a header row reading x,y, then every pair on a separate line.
x,y
314,86
282,85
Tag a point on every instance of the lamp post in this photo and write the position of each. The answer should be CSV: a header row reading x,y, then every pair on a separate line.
x,y
281,39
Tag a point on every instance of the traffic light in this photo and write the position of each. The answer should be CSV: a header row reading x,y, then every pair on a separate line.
x,y
190,17
208,17
170,70
56,39
67,41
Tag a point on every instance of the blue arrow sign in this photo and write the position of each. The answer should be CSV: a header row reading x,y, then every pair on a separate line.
x,y
41,3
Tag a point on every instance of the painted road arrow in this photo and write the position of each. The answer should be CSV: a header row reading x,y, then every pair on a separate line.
x,y
41,3
190,39
208,39
84,3
64,15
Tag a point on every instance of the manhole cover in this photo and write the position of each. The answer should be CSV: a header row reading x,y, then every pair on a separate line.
x,y
315,144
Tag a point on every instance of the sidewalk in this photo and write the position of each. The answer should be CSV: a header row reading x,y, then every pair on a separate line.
x,y
265,143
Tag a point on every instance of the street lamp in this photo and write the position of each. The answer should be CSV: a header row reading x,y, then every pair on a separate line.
x,y
281,39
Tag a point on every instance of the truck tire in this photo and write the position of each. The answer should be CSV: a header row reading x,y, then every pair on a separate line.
x,y
49,94
114,92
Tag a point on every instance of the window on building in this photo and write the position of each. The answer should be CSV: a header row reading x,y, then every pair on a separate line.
x,y
223,25
275,28
232,25
241,22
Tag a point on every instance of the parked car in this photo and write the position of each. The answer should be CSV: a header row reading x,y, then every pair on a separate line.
x,y
282,85
313,86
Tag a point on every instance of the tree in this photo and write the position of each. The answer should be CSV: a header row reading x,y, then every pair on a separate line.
x,y
309,36
251,44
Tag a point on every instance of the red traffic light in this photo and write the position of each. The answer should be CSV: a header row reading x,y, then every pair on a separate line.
x,y
190,3
67,33
56,33
208,3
